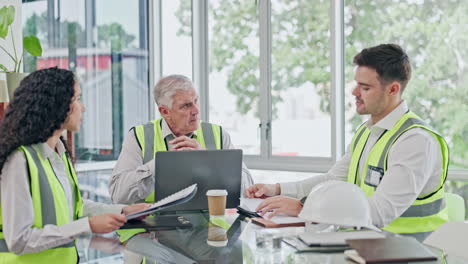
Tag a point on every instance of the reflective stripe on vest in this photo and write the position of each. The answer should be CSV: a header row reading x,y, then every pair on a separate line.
x,y
426,213
3,245
149,137
50,207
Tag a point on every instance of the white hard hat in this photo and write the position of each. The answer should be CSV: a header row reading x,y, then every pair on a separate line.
x,y
338,203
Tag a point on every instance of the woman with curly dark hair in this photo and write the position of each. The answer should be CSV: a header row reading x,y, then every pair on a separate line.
x,y
42,212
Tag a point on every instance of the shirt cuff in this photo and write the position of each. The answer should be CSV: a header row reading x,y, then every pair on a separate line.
x,y
79,227
288,189
149,166
115,208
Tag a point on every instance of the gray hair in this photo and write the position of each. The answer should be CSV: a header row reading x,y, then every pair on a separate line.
x,y
167,86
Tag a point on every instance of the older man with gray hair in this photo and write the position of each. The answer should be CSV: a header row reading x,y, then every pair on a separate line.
x,y
178,129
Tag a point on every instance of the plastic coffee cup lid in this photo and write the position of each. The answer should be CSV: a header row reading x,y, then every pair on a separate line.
x,y
217,243
216,193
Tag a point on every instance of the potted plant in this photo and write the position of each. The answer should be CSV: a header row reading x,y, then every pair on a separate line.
x,y
31,45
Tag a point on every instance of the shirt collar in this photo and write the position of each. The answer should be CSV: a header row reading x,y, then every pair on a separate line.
x,y
391,119
166,130
46,152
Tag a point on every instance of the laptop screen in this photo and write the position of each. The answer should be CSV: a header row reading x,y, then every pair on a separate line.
x,y
210,169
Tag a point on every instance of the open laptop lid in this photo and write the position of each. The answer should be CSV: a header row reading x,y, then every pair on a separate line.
x,y
210,169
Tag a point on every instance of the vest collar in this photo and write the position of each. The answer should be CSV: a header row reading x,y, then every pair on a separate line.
x,y
46,152
166,131
391,119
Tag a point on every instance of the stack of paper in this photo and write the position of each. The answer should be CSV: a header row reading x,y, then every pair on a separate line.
x,y
179,197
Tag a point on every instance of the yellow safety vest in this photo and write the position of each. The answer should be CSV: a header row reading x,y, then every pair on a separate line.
x,y
426,213
149,137
50,208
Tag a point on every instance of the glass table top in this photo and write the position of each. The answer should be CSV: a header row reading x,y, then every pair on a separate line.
x,y
228,239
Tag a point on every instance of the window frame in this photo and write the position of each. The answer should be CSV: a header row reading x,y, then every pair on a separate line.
x,y
264,161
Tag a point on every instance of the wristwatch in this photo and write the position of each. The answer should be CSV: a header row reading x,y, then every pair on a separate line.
x,y
302,201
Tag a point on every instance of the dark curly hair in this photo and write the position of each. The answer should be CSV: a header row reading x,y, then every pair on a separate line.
x,y
39,107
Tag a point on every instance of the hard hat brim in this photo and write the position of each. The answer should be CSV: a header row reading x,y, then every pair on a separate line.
x,y
372,227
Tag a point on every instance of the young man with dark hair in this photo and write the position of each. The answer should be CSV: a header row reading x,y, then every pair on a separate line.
x,y
395,158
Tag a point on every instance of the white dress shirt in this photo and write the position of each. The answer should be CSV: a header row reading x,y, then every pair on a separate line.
x,y
17,205
414,168
133,181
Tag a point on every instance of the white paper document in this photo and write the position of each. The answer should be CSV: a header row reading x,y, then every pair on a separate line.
x,y
179,197
251,204
313,239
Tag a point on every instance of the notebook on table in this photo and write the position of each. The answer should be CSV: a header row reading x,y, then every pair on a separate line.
x,y
389,250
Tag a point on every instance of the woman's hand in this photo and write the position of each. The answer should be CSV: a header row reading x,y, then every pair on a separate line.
x,y
106,223
135,208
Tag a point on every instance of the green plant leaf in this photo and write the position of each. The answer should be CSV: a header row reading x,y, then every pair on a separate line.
x,y
7,15
32,45
3,68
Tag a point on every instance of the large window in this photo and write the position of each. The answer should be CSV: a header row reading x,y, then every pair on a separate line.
x,y
276,85
105,43
233,42
268,68
300,81
272,73
269,79
176,29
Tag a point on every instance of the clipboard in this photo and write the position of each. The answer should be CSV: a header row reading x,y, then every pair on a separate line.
x,y
160,222
179,197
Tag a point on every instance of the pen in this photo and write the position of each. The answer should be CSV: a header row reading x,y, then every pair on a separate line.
x,y
260,211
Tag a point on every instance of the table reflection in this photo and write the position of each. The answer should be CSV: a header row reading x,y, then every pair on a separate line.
x,y
229,239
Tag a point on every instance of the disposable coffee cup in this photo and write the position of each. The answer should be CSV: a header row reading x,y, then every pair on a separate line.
x,y
217,236
216,202
217,243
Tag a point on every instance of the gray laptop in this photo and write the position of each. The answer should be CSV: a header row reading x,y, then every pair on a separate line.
x,y
210,169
